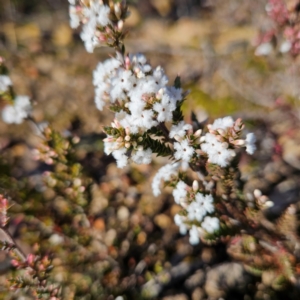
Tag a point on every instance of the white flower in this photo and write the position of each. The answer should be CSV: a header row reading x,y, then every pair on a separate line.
x,y
263,49
196,212
100,92
145,119
74,18
222,123
179,129
183,151
210,224
194,235
250,143
56,239
205,201
92,17
175,93
285,47
218,153
142,156
17,112
121,157
165,109
5,83
160,77
102,78
198,209
179,221
102,13
138,59
125,79
180,191
165,174
88,35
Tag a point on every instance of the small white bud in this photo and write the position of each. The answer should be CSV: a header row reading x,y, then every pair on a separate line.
x,y
118,125
221,131
268,204
120,25
198,133
127,130
239,142
108,140
178,138
257,193
127,145
225,145
195,186
77,182
118,10
127,138
202,139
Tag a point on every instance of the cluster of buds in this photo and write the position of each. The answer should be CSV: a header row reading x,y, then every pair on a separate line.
x,y
65,177
34,263
287,28
119,137
55,148
102,22
262,201
44,153
34,277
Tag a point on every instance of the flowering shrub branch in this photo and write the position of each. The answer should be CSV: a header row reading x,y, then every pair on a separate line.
x,y
149,120
202,169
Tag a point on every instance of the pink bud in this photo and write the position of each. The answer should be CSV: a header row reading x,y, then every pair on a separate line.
x,y
238,142
15,263
102,37
30,259
127,63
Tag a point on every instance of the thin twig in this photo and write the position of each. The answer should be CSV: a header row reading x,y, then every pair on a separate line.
x,y
9,239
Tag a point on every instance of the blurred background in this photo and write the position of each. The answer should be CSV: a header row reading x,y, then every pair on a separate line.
x,y
211,44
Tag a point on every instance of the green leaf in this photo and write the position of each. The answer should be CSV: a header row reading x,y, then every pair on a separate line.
x,y
177,82
158,147
177,113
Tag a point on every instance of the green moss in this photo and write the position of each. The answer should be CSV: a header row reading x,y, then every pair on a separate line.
x,y
213,106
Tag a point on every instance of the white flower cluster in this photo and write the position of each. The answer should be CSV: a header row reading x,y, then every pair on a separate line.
x,y
5,83
196,205
17,112
195,217
148,118
165,173
143,100
222,138
19,109
92,17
